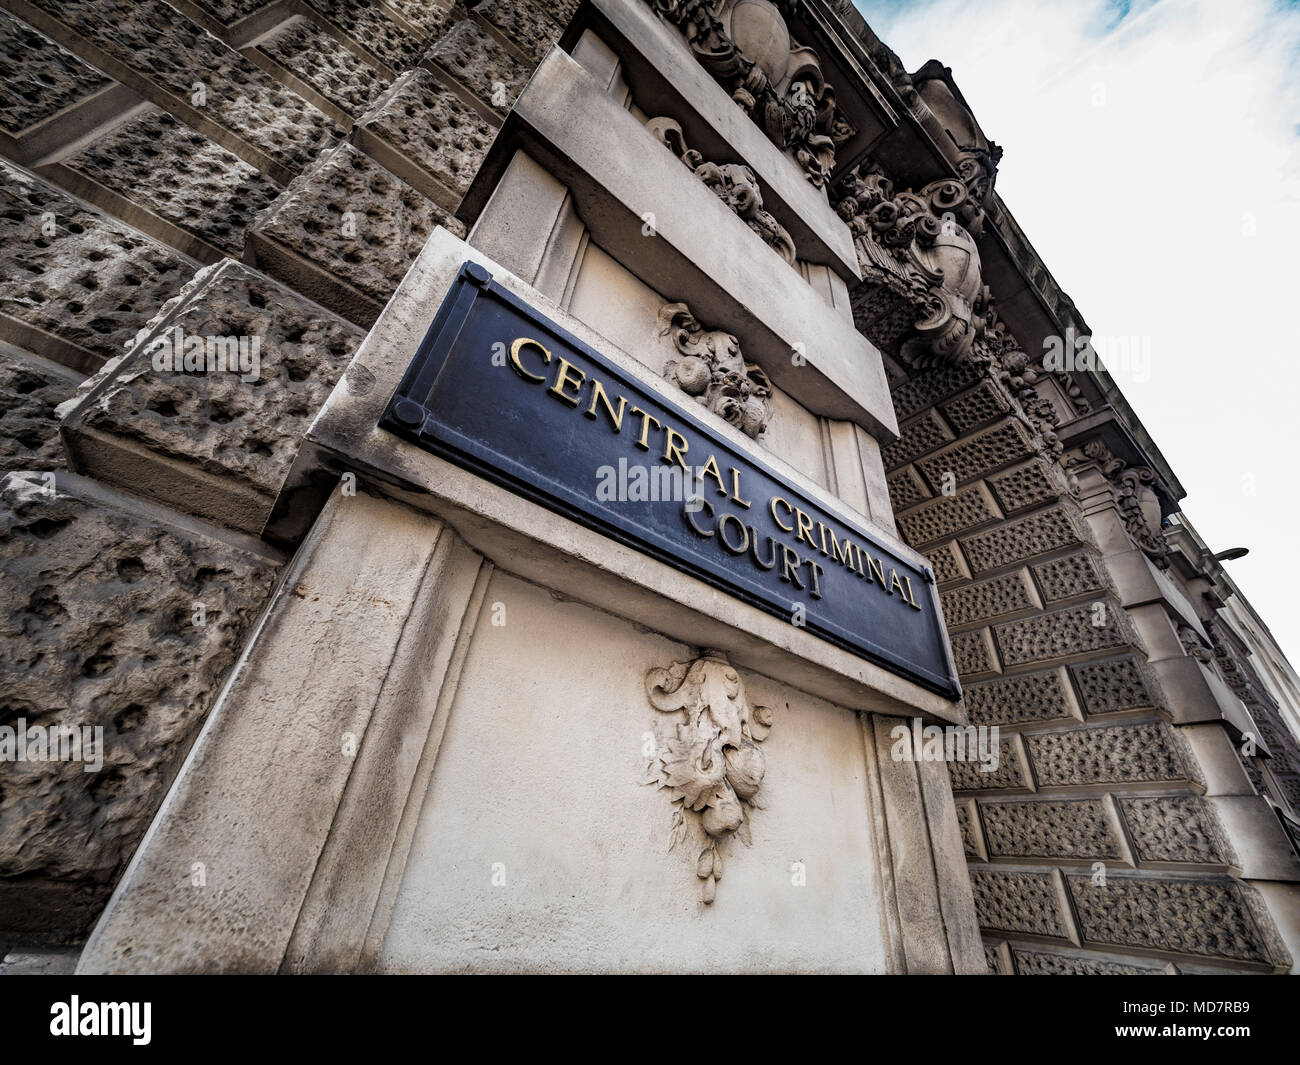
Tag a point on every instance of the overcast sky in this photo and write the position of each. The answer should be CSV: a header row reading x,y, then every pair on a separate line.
x,y
1151,158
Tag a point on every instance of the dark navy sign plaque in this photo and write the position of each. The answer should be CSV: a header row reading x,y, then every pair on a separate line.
x,y
501,390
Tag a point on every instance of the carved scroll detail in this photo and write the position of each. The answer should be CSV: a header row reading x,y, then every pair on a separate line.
x,y
712,767
713,370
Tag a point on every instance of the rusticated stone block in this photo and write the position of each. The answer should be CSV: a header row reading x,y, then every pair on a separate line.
x,y
1019,902
1175,828
1024,486
179,175
906,488
527,24
1069,577
213,443
369,26
1120,754
947,563
161,47
38,79
1211,918
1062,633
1113,685
978,455
1010,773
228,12
1077,829
1018,700
1024,538
947,515
345,232
916,438
100,602
973,653
76,285
432,17
480,64
928,387
426,131
965,815
333,70
982,404
985,600
30,389
1049,963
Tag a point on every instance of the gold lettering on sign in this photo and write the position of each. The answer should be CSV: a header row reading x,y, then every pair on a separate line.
x,y
517,347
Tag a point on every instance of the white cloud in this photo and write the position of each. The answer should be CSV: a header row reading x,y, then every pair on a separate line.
x,y
1170,211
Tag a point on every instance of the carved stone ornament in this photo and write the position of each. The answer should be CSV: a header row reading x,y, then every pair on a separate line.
x,y
713,371
734,184
746,46
1138,506
712,767
921,244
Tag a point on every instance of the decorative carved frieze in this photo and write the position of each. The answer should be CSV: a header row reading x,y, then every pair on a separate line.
x,y
713,371
734,184
711,766
746,46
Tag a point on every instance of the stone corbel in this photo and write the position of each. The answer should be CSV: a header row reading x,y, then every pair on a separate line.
x,y
713,370
711,766
1135,499
734,184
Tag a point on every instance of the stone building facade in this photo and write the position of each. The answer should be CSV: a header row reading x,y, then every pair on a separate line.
x,y
336,673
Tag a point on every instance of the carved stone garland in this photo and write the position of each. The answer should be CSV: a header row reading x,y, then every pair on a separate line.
x,y
734,184
1138,508
746,46
711,767
713,371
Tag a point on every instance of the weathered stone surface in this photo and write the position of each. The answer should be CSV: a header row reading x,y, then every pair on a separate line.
x,y
1018,902
481,64
1024,538
162,46
98,624
88,284
906,488
180,176
992,598
1062,633
1077,829
1069,577
1114,684
977,455
228,12
1024,486
1214,918
916,438
1049,963
210,441
1122,754
334,71
925,389
947,563
38,79
1009,774
1175,828
369,26
972,652
430,126
29,429
947,515
352,221
1017,700
526,24
982,404
432,17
